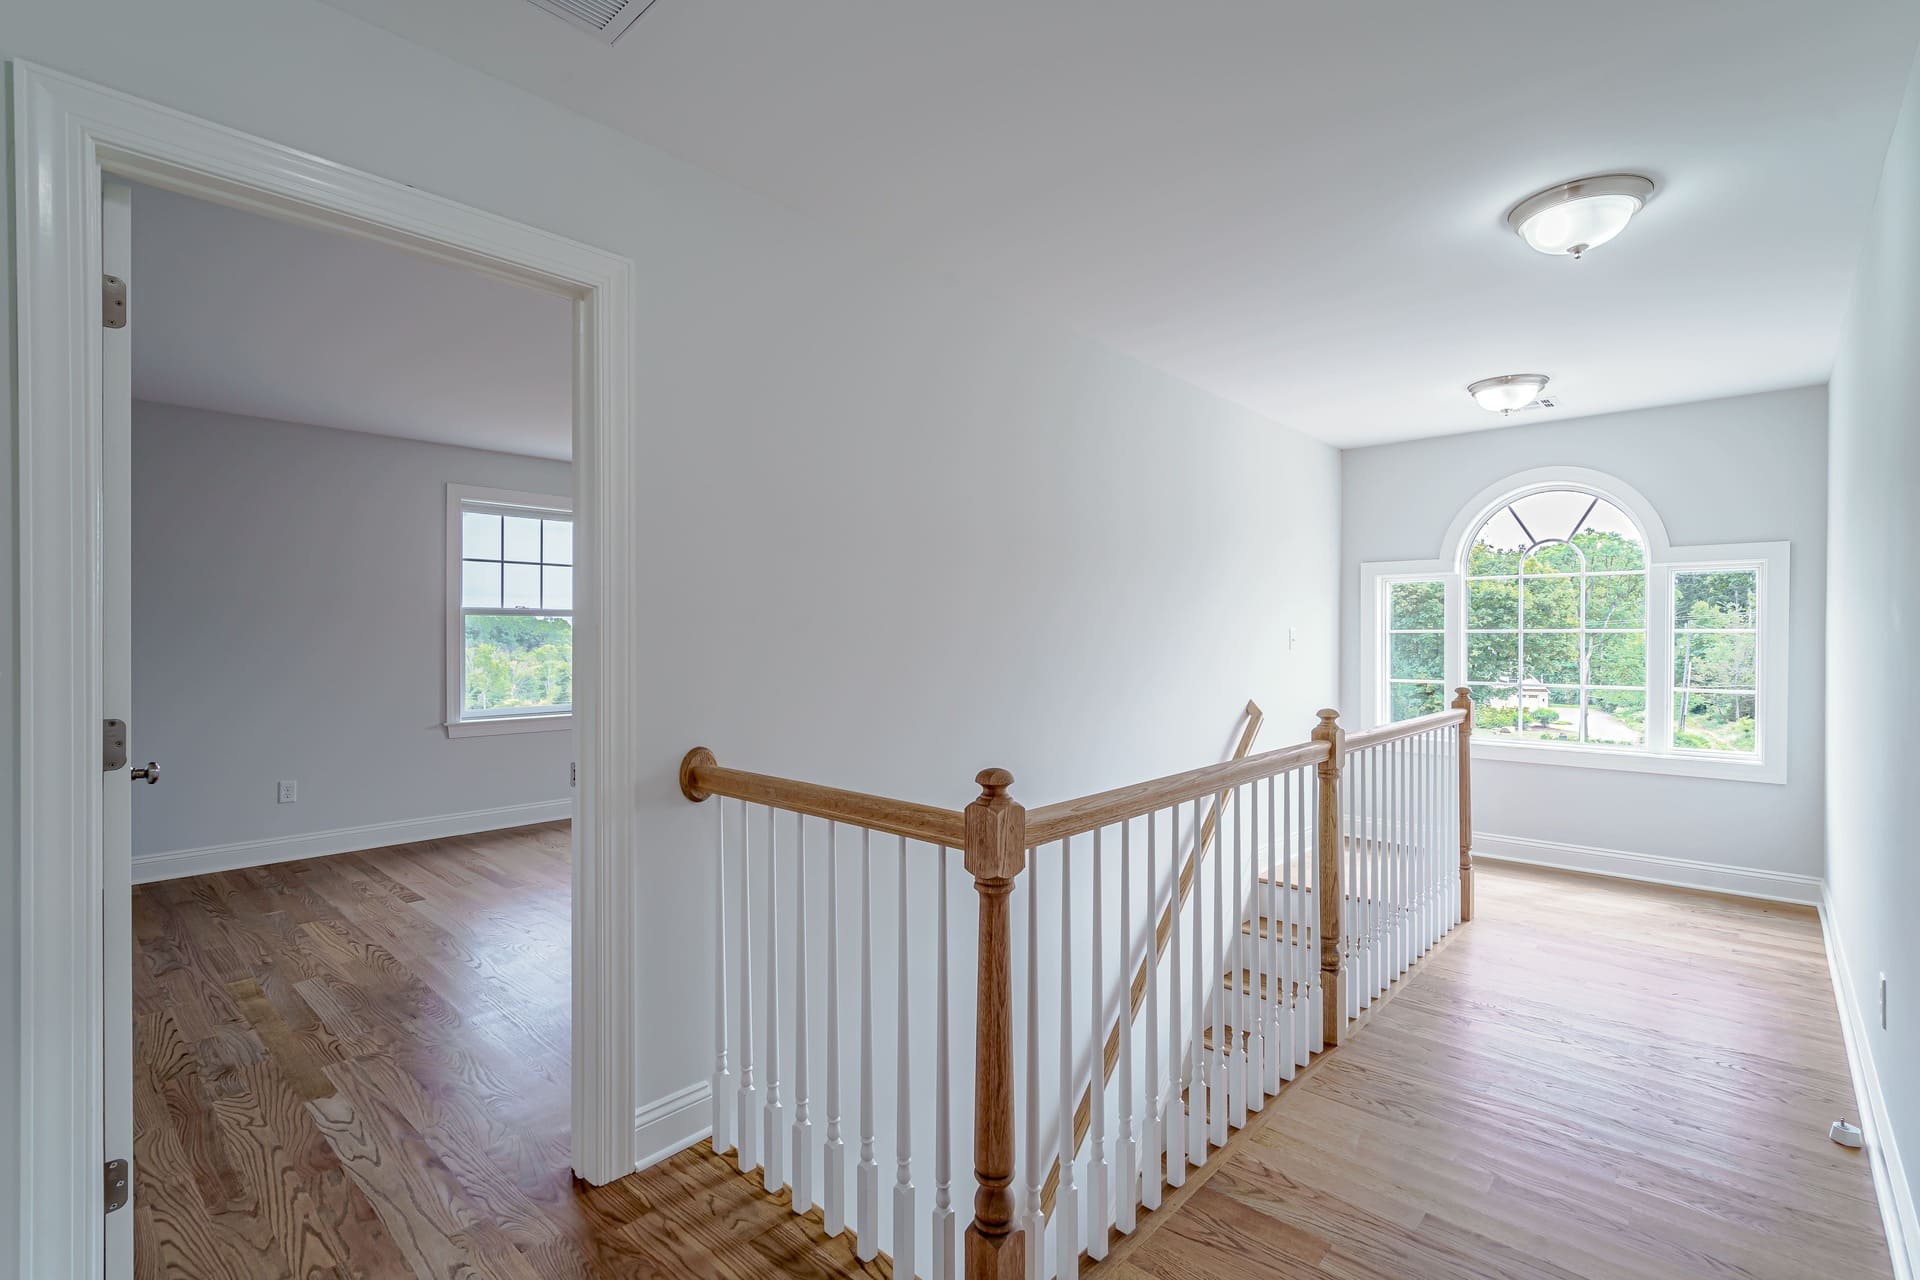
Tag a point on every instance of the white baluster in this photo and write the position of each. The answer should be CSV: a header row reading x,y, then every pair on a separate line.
x,y
1099,1199
747,1112
1066,1199
1173,1113
1417,841
903,1195
723,1099
1279,1019
1450,826
1127,1157
1235,999
1254,952
1217,1096
866,1226
802,1103
1154,1165
834,1209
1309,908
943,1218
1437,855
1293,941
1199,1069
1353,908
1377,854
773,1123
1410,870
1032,1223
1430,744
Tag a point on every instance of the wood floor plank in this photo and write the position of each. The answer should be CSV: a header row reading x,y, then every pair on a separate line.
x,y
357,1067
363,1061
1594,1079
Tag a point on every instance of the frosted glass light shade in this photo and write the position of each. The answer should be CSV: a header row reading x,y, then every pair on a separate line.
x,y
1508,392
1576,216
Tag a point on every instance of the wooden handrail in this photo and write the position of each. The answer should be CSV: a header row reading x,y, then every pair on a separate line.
x,y
1076,817
1401,729
996,835
701,777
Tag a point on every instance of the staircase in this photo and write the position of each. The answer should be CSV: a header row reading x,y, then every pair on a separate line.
x,y
1128,977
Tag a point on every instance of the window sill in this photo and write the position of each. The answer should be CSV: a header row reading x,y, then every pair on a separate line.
x,y
508,724
1673,765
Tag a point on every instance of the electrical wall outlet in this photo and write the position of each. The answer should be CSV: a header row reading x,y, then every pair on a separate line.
x,y
289,792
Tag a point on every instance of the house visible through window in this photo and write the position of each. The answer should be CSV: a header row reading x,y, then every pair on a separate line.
x,y
1556,636
1584,639
511,653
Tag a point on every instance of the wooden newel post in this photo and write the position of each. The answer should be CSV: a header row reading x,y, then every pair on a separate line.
x,y
1463,701
996,852
1327,885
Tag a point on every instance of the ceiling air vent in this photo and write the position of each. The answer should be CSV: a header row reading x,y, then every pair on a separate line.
x,y
607,20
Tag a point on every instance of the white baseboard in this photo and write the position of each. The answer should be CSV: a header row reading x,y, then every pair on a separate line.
x,y
321,844
1773,886
667,1126
1890,1185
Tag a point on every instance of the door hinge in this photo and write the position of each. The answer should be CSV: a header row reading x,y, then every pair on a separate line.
x,y
113,302
117,1183
113,747
573,774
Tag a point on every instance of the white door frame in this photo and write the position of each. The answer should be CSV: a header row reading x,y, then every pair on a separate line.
x,y
65,131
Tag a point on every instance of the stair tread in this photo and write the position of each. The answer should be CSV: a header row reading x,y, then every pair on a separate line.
x,y
1263,927
1248,979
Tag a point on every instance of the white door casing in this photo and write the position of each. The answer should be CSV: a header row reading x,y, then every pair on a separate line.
x,y
66,131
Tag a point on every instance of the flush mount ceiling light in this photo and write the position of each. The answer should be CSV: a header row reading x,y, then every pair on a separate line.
x,y
1577,216
1509,391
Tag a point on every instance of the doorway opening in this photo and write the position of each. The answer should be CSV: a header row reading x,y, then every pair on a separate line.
x,y
349,600
72,140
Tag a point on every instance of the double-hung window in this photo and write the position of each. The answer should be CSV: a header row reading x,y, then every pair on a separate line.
x,y
509,611
1585,639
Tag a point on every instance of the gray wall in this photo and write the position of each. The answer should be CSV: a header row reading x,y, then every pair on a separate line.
x,y
891,530
1746,469
1873,641
289,621
9,712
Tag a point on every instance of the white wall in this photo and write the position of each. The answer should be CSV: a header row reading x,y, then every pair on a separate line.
x,y
1873,641
9,725
289,621
1747,469
892,532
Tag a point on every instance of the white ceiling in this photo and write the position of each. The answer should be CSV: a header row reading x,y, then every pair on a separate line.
x,y
1297,206
246,314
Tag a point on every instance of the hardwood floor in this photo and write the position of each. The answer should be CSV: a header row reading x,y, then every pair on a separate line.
x,y
1594,1079
357,1067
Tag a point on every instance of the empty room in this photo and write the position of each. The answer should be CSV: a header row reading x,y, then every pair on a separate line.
x,y
1004,642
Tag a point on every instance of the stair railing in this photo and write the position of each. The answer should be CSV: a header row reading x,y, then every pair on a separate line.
x,y
1207,983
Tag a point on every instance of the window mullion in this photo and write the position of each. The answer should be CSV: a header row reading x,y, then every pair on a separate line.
x,y
1660,690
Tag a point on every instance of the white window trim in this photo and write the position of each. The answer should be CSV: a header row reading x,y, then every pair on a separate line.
x,y
1772,560
457,725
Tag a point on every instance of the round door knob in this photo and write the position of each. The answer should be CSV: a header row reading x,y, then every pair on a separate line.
x,y
151,773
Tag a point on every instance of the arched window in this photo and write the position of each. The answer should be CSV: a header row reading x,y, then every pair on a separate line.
x,y
1556,620
1583,637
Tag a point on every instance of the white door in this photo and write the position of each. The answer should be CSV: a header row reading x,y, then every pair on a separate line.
x,y
116,521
